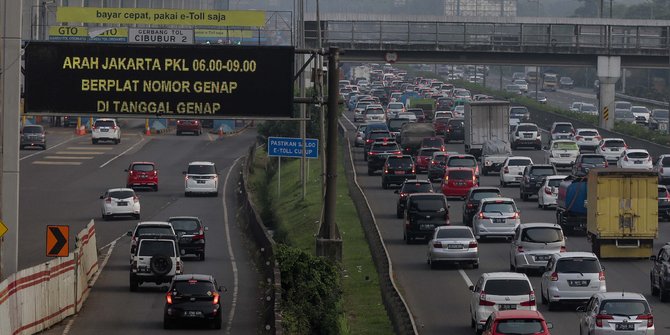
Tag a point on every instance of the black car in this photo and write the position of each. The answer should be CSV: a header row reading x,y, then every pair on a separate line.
x,y
193,298
378,154
33,135
411,186
657,117
191,234
397,169
659,275
437,165
372,137
532,179
586,162
420,114
424,212
471,202
454,131
663,203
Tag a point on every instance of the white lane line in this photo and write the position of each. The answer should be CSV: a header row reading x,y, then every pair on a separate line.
x,y
55,163
79,153
226,225
123,153
351,123
49,149
468,282
89,148
68,157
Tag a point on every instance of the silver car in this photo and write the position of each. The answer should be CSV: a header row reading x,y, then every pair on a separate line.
x,y
453,244
616,313
496,217
533,244
570,277
662,166
360,134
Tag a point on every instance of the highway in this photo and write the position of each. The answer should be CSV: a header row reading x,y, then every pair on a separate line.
x,y
439,299
62,185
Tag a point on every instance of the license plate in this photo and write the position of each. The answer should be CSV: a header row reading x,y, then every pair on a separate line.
x,y
625,326
506,307
638,162
200,181
192,313
565,155
122,203
400,172
517,178
104,130
578,283
527,135
426,227
143,176
498,220
615,149
455,246
542,257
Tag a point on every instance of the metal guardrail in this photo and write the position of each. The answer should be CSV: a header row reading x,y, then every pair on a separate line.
x,y
662,104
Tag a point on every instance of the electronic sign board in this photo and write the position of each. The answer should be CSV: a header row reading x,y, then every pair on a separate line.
x,y
204,81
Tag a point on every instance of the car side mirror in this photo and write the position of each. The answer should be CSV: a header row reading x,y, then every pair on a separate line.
x,y
396,192
206,228
545,148
581,308
520,173
183,172
222,289
102,197
472,288
652,257
125,170
129,233
550,325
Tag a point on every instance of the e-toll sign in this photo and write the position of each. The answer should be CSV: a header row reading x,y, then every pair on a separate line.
x,y
159,80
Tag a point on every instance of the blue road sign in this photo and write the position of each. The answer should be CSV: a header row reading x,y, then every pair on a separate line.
x,y
292,147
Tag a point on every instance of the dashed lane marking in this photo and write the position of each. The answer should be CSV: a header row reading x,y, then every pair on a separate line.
x,y
69,157
79,153
89,148
55,163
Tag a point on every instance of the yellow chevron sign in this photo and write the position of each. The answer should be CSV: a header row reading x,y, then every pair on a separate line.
x,y
606,113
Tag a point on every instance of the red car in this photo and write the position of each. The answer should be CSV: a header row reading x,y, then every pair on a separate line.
x,y
142,174
516,322
440,125
433,142
423,158
458,181
189,126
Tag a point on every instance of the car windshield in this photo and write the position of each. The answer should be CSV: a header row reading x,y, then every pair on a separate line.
x,y
519,162
660,113
554,182
527,127
623,114
454,233
624,307
441,120
589,108
481,195
121,194
639,109
395,106
145,231
201,169
578,265
622,105
615,144
462,162
565,146
186,225
400,163
543,171
104,123
382,134
587,133
518,110
665,161
519,326
432,143
563,128
362,105
542,235
499,207
193,288
638,155
429,204
456,123
427,152
156,248
416,187
32,129
507,287
143,167
662,192
593,160
460,174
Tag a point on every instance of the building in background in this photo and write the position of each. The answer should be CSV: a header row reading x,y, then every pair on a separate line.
x,y
480,7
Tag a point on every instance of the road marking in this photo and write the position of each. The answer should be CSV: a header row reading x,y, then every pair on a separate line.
x,y
468,282
226,225
89,148
210,137
55,163
68,157
79,153
49,149
352,124
123,153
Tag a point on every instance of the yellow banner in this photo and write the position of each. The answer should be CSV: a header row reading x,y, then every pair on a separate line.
x,y
182,17
223,33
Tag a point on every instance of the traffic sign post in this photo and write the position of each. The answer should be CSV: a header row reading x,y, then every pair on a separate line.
x,y
58,241
292,147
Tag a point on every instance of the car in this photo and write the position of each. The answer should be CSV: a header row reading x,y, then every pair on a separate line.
x,y
455,244
641,114
526,135
410,186
440,125
433,142
438,164
455,130
496,217
513,89
105,130
69,121
518,75
193,298
374,113
458,181
393,108
538,96
611,148
662,166
566,82
395,125
512,169
663,203
375,136
616,313
587,138
33,135
407,115
397,169
516,322
419,113
189,126
585,162
571,277
157,260
191,235
531,180
523,85
142,174
360,108
463,160
359,141
533,244
562,131
519,113
120,202
624,115
499,291
149,229
202,178
659,119
547,195
459,111
424,213
635,159
378,154
471,201
659,275
424,158
561,153
589,109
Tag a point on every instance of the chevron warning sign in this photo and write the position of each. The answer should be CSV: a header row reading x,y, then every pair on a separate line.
x,y
57,241
606,113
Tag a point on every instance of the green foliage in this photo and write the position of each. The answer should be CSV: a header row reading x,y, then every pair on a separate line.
x,y
311,292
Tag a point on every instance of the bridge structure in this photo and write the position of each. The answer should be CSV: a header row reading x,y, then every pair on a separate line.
x,y
607,44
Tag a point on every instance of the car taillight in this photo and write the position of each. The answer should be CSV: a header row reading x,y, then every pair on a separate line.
x,y
369,141
397,152
531,300
470,205
506,170
577,138
472,244
108,200
598,137
413,169
625,158
516,215
136,199
649,318
371,153
606,164
115,127
547,190
386,169
446,178
199,236
601,317
215,301
133,265
602,148
178,267
482,300
601,275
168,298
437,245
554,276
482,216
519,248
625,146
563,249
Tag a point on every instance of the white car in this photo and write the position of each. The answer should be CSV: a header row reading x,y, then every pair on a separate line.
x,y
453,244
611,148
120,202
459,111
525,134
587,138
616,313
533,244
407,115
446,114
498,291
512,169
547,195
641,114
635,159
523,85
562,131
374,114
561,153
496,217
105,130
393,108
202,178
571,277
575,106
360,133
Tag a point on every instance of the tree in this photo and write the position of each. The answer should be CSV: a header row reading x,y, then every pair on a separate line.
x,y
588,8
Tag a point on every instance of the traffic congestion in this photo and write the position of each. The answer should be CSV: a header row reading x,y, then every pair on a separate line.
x,y
487,221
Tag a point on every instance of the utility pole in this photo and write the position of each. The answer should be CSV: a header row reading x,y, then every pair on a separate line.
x,y
301,87
322,116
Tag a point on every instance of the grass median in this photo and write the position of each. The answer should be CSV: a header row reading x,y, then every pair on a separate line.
x,y
295,222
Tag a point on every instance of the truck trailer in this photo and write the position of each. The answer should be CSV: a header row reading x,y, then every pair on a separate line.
x,y
484,121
